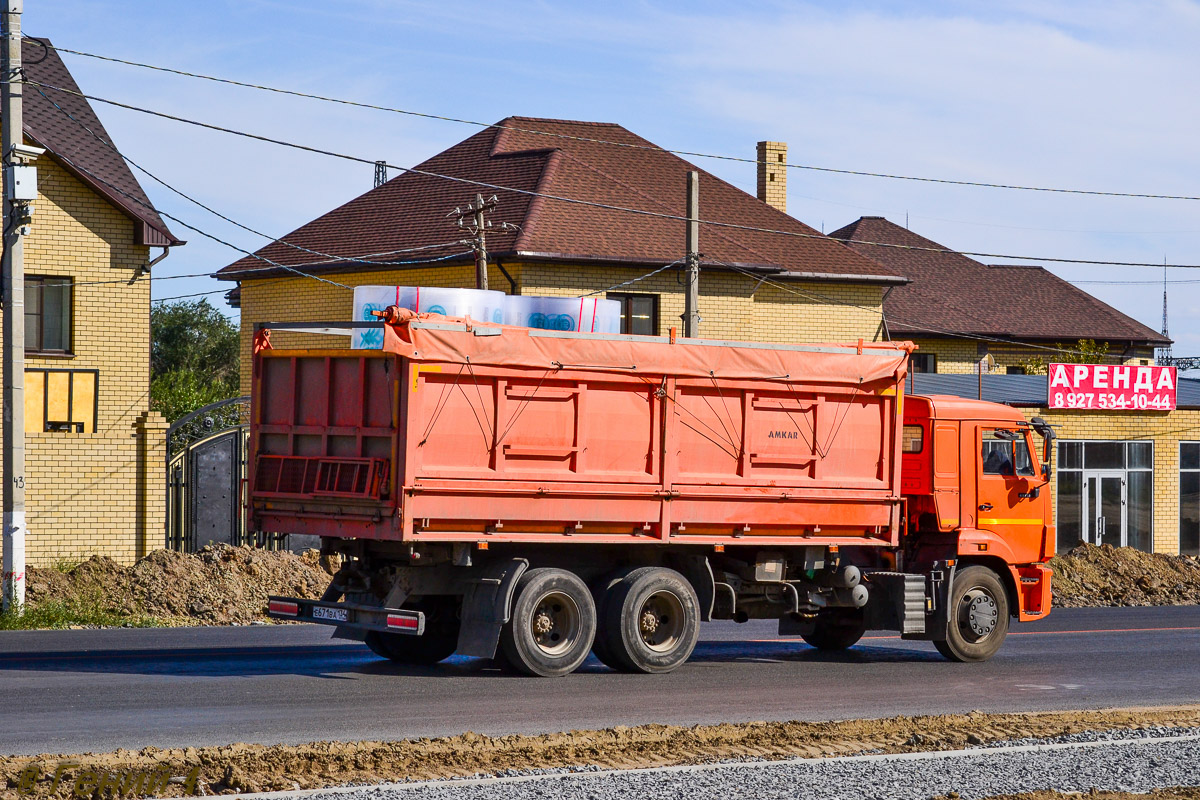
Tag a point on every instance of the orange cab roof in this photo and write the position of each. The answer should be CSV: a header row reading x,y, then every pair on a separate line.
x,y
945,406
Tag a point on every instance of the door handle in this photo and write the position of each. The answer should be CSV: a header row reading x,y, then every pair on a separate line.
x,y
985,507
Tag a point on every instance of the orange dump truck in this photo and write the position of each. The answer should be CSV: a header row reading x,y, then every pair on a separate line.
x,y
550,494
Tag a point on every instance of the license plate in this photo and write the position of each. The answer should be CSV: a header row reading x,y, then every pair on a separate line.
x,y
339,614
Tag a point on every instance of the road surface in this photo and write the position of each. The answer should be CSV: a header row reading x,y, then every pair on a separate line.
x,y
73,691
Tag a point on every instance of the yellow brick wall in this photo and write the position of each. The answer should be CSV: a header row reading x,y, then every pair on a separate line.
x,y
1164,429
84,491
962,355
732,306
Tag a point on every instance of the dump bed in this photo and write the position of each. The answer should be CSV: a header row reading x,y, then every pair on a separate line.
x,y
457,431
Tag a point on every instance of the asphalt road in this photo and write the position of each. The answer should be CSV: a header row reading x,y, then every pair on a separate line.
x,y
73,691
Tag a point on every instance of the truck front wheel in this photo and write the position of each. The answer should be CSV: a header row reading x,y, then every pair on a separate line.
x,y
553,623
978,616
651,621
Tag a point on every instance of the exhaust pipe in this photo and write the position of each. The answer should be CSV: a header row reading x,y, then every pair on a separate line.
x,y
847,577
855,598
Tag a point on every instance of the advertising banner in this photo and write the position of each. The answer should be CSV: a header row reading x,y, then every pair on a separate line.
x,y
1110,387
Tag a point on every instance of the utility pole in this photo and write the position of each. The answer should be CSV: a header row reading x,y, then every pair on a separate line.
x,y
475,210
14,153
691,314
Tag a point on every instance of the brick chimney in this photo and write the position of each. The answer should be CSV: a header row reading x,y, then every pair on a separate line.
x,y
772,174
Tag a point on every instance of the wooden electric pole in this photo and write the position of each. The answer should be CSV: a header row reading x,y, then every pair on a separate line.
x,y
475,210
691,314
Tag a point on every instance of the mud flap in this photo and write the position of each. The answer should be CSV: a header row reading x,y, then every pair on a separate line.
x,y
897,603
486,606
938,583
699,573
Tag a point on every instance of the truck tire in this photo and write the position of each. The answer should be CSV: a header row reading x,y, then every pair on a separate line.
x,y
978,616
601,592
437,643
837,629
552,626
651,621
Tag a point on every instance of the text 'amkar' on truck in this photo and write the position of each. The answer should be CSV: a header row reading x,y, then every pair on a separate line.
x,y
547,494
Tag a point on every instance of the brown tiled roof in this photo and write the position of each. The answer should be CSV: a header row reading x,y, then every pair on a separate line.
x,y
410,210
75,148
953,293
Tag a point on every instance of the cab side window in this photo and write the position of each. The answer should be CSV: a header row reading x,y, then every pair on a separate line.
x,y
1005,452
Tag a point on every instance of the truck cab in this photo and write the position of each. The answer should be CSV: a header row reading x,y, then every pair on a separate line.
x,y
976,489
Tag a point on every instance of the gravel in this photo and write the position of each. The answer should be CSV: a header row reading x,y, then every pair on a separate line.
x,y
1130,761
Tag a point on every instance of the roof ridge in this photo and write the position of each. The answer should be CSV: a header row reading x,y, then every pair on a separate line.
x,y
590,123
533,211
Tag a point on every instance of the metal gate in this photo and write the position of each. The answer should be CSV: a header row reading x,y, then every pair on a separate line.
x,y
206,461
206,473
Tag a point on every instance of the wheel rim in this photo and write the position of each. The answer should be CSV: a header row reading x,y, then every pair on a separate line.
x,y
978,615
660,621
555,623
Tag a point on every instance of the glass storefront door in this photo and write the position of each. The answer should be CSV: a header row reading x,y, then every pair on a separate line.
x,y
1104,507
1105,492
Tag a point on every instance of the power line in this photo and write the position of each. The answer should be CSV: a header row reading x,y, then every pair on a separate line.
x,y
230,245
630,145
272,264
651,274
590,203
943,331
1133,283
189,198
196,294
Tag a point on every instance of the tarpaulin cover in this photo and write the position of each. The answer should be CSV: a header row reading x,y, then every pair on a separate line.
x,y
431,338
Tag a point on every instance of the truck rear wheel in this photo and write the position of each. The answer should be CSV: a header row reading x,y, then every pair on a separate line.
x,y
651,621
978,611
553,623
437,643
837,629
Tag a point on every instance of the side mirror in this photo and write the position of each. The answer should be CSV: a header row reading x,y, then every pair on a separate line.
x,y
1046,471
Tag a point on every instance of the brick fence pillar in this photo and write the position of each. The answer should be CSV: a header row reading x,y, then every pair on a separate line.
x,y
151,482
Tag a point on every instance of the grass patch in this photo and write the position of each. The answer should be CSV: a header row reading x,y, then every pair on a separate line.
x,y
65,564
87,610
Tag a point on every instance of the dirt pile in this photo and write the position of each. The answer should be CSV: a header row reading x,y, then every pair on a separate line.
x,y
1089,576
218,585
249,767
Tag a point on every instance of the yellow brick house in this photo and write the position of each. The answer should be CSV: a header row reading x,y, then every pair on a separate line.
x,y
755,284
95,452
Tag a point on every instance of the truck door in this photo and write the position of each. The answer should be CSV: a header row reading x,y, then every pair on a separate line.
x,y
1011,502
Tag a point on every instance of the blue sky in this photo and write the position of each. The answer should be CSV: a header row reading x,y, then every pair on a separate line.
x,y
1089,95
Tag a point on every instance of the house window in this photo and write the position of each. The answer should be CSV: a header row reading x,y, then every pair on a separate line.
x,y
924,362
1189,498
1106,494
61,400
47,314
639,313
1014,370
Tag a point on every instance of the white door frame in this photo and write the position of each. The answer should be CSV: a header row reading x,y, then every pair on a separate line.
x,y
1092,518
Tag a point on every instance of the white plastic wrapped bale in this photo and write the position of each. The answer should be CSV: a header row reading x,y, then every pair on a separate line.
x,y
580,314
485,306
607,316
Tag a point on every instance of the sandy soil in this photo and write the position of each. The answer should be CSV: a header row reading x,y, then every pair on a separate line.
x,y
248,767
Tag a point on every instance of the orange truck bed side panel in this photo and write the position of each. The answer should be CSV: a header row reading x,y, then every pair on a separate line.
x,y
525,435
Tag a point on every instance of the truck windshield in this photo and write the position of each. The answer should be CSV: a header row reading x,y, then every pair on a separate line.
x,y
1005,455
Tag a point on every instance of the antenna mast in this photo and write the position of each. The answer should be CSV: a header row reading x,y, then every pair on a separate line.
x,y
1164,355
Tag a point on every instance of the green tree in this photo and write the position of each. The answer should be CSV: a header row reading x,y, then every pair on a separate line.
x,y
193,357
1084,351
